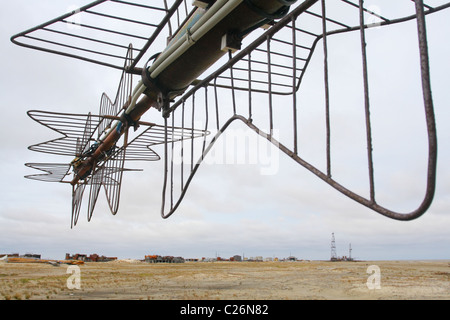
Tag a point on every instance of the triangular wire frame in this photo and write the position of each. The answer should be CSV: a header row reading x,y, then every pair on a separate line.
x,y
77,198
257,72
99,32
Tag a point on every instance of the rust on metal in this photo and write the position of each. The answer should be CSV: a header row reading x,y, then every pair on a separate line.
x,y
272,64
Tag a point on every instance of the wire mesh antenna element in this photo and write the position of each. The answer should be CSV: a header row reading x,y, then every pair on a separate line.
x,y
100,32
111,108
77,197
54,172
271,69
112,180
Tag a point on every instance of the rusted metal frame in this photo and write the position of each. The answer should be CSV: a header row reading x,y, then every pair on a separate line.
x,y
67,15
108,30
165,169
430,123
254,90
431,176
275,53
206,118
182,148
169,25
192,138
259,81
192,125
279,54
233,96
305,5
107,107
269,84
177,129
171,162
139,5
173,205
74,128
303,30
392,21
59,19
327,94
311,50
290,44
95,185
56,122
356,28
294,85
123,95
425,5
274,73
155,34
166,153
58,146
104,15
244,52
366,10
75,48
327,19
278,84
87,135
187,15
53,172
367,102
77,197
87,38
216,100
250,70
52,120
194,168
130,69
233,118
429,111
113,169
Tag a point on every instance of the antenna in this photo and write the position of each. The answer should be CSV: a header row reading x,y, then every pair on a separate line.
x,y
350,251
333,248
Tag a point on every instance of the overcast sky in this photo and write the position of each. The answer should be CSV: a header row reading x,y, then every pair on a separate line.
x,y
229,209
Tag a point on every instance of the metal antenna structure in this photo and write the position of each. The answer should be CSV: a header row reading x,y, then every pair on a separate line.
x,y
333,248
247,63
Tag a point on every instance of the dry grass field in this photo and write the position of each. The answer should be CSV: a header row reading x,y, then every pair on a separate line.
x,y
302,280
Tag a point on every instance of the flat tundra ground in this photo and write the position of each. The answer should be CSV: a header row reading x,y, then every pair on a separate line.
x,y
301,280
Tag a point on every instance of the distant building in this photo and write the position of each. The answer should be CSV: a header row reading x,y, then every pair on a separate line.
x,y
26,255
92,258
31,255
257,258
16,255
